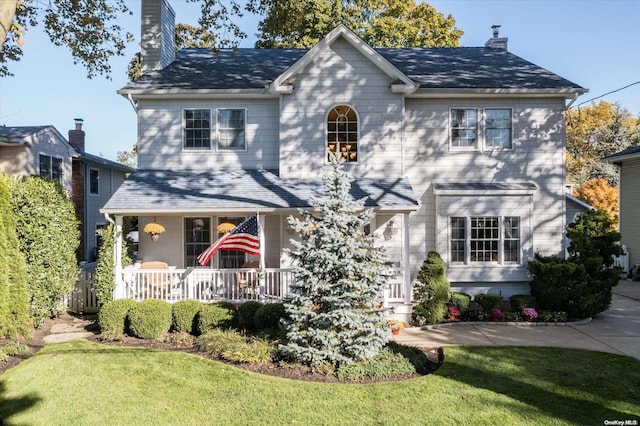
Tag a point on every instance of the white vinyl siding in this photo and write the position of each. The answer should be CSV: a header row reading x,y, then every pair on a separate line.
x,y
630,208
341,76
160,143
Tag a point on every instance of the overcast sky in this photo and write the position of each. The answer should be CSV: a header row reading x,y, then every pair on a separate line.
x,y
595,44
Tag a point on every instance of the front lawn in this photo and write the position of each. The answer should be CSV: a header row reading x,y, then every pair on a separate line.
x,y
81,382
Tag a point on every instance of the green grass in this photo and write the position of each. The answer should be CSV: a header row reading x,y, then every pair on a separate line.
x,y
87,383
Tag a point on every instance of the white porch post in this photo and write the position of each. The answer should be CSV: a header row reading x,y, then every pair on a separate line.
x,y
406,275
117,258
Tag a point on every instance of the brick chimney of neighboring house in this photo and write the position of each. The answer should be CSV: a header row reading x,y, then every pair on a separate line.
x,y
157,46
497,42
76,139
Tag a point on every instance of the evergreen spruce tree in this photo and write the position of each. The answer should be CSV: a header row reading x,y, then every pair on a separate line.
x,y
333,313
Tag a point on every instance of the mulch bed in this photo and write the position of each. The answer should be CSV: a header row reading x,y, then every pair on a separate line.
x,y
435,357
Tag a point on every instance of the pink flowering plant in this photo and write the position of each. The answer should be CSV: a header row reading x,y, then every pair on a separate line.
x,y
529,313
495,313
452,311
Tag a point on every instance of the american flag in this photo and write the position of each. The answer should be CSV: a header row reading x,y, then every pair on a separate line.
x,y
244,237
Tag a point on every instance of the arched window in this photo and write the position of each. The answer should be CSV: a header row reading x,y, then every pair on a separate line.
x,y
342,132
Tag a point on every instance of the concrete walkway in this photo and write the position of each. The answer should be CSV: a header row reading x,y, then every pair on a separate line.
x,y
616,331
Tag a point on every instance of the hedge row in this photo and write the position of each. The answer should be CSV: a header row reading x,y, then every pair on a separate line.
x,y
151,319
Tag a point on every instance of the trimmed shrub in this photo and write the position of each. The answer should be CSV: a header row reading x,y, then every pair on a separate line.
x,y
247,314
489,301
150,319
393,360
580,285
268,316
460,301
521,301
48,233
185,316
113,318
217,315
432,290
232,346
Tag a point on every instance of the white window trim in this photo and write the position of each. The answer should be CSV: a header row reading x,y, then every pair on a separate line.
x,y
478,129
481,142
501,240
52,156
217,130
93,194
326,132
484,130
183,129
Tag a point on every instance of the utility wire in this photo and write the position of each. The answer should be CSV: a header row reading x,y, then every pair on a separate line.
x,y
608,93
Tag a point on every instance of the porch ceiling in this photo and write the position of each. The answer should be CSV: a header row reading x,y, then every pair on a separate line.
x,y
187,192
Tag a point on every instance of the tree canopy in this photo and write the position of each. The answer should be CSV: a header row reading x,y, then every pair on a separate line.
x,y
593,132
90,29
381,23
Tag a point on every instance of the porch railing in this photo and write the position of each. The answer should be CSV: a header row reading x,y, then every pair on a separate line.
x,y
205,285
208,285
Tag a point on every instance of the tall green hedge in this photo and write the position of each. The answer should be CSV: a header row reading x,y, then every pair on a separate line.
x,y
14,290
49,236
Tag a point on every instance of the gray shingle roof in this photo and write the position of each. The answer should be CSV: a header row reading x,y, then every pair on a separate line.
x,y
90,158
485,186
17,134
433,68
629,152
242,190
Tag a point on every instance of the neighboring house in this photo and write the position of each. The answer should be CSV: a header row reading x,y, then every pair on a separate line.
x,y
629,163
95,180
36,150
89,179
459,150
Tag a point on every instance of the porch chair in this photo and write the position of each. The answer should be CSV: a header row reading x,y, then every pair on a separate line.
x,y
158,284
248,281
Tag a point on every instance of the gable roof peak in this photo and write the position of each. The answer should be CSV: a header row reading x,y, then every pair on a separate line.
x,y
341,31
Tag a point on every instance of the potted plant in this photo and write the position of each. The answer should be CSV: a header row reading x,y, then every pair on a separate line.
x,y
495,314
395,326
154,229
452,313
529,314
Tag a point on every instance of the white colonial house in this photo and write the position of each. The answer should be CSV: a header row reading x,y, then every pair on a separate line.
x,y
459,150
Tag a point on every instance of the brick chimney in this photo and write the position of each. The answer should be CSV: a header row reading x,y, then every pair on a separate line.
x,y
157,47
497,42
76,136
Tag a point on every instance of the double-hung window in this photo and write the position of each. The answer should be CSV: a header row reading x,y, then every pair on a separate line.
x,y
94,182
197,238
50,168
485,239
487,128
497,128
464,128
231,129
197,128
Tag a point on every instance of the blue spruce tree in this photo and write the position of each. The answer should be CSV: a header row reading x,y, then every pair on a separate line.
x,y
334,312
